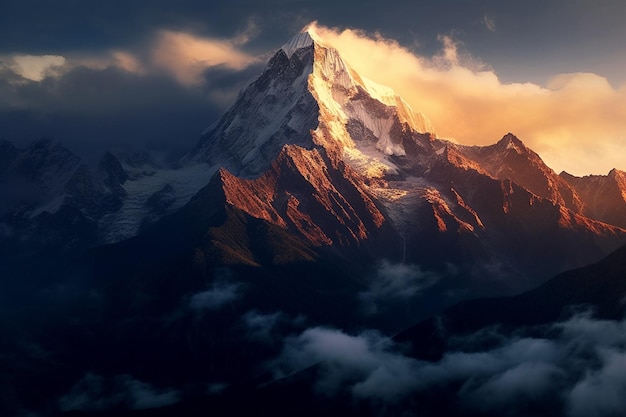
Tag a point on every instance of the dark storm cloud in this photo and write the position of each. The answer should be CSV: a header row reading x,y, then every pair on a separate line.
x,y
94,102
222,85
92,110
37,25
504,34
577,369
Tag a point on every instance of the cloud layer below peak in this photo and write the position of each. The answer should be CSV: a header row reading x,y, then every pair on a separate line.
x,y
572,368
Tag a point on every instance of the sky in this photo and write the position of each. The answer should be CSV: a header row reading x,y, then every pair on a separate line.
x,y
102,75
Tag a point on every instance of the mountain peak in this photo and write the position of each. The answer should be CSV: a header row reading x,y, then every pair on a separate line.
x,y
309,96
510,141
616,173
304,39
511,138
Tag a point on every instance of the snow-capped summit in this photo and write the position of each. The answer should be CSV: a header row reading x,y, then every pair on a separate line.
x,y
301,40
315,158
315,148
309,96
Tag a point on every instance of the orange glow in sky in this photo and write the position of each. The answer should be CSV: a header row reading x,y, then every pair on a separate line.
x,y
577,122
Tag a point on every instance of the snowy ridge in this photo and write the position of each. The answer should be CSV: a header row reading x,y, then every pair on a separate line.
x,y
380,92
386,95
301,40
309,96
127,221
379,126
365,118
331,157
272,111
347,98
35,177
367,123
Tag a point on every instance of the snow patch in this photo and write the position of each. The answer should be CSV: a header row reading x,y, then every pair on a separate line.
x,y
379,125
402,199
126,222
388,96
382,93
369,162
51,206
513,146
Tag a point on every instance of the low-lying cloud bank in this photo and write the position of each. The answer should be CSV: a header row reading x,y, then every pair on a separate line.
x,y
575,368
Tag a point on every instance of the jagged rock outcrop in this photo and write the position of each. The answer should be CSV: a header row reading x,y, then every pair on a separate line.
x,y
322,159
309,123
604,196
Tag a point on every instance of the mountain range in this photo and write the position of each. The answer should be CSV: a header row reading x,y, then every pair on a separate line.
x,y
320,198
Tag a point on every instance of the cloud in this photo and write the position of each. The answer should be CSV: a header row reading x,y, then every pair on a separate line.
x,y
93,110
186,56
489,22
221,293
180,54
578,368
400,280
262,327
393,282
144,396
214,298
124,60
28,68
601,392
526,382
34,67
353,363
576,121
222,85
95,393
160,93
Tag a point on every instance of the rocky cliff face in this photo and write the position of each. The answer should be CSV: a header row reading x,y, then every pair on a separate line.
x,y
604,196
332,162
316,149
319,199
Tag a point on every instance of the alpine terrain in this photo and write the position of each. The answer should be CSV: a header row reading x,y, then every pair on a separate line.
x,y
319,201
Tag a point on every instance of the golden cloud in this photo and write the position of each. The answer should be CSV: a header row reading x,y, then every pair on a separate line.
x,y
182,55
186,56
577,122
35,67
116,58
